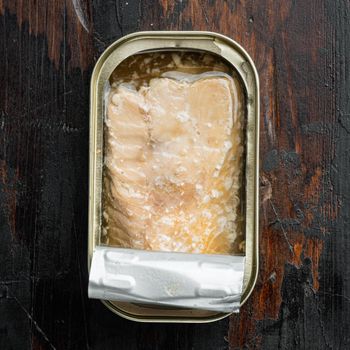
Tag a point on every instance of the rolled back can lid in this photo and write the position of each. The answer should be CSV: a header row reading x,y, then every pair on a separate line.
x,y
201,281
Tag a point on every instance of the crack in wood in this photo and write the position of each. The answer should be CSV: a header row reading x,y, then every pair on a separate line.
x,y
282,228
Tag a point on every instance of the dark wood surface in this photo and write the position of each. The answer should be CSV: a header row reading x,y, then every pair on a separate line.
x,y
47,52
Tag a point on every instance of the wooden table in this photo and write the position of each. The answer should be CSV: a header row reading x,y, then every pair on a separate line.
x,y
47,51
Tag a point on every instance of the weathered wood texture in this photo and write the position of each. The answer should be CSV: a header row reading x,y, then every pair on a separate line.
x,y
301,49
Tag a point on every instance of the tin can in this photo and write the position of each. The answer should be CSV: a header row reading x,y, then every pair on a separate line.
x,y
239,60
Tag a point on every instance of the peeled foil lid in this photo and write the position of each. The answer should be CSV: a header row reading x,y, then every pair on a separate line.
x,y
196,281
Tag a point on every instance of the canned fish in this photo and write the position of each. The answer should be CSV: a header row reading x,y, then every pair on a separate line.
x,y
173,168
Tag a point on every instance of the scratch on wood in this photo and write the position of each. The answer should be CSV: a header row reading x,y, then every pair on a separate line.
x,y
30,317
282,227
9,282
80,14
204,12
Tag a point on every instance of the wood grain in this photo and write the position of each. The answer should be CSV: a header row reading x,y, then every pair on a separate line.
x,y
47,52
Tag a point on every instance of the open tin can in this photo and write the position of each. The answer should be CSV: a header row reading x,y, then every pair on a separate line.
x,y
231,57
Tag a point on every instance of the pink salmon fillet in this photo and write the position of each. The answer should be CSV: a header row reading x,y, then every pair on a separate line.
x,y
173,154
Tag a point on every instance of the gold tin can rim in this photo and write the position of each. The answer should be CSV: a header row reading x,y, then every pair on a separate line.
x,y
237,57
